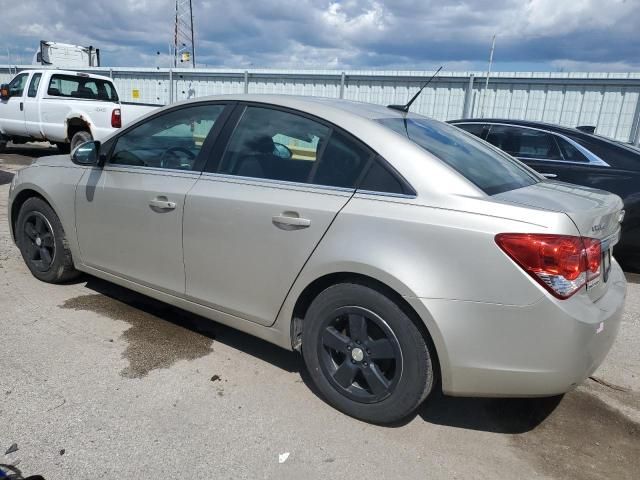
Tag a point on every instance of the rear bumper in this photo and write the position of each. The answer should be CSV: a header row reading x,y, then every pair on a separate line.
x,y
542,349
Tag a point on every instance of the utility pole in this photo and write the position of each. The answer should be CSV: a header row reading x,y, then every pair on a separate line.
x,y
183,37
486,83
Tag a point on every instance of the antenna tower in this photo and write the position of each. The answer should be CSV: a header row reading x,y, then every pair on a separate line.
x,y
184,50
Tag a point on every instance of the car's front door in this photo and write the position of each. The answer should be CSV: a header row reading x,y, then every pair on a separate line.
x,y
254,219
129,213
13,109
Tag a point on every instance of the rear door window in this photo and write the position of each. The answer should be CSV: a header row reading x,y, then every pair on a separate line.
x,y
490,170
524,142
273,144
569,152
34,84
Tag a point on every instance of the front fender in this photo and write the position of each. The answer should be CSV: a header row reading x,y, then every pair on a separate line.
x,y
57,185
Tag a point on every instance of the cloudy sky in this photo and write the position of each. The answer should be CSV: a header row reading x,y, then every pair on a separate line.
x,y
586,35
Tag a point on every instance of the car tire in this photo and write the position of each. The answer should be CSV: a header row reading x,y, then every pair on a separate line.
x,y
3,145
365,355
42,242
79,138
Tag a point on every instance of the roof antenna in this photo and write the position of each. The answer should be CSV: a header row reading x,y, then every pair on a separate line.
x,y
405,108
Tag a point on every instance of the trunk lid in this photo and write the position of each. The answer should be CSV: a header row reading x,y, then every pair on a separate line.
x,y
595,213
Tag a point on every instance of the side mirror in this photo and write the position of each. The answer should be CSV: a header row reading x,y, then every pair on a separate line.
x,y
4,91
87,154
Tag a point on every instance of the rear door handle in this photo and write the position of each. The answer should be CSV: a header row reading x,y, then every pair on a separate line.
x,y
162,203
21,106
549,175
290,221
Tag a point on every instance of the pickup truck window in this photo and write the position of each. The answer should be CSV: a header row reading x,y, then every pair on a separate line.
x,y
71,86
16,87
33,86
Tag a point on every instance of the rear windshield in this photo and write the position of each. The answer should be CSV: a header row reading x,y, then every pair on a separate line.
x,y
72,86
489,169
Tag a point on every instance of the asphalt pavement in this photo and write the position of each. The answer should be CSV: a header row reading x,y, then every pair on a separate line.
x,y
100,382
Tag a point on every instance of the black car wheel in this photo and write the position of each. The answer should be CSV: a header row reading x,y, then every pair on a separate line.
x,y
365,354
42,242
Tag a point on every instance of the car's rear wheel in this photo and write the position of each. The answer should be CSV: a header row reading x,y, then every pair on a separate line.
x,y
79,138
365,354
42,242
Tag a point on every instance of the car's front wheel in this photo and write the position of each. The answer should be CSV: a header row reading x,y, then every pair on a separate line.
x,y
365,354
41,240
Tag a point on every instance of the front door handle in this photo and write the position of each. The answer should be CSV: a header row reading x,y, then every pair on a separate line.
x,y
162,203
21,106
290,221
549,175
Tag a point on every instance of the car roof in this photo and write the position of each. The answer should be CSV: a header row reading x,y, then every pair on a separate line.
x,y
314,105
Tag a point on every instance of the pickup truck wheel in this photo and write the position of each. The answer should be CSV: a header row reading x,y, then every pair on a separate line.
x,y
63,147
79,138
42,242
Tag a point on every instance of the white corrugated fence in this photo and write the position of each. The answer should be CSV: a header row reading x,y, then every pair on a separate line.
x,y
609,101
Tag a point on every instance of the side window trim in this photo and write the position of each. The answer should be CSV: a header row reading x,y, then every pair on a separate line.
x,y
203,154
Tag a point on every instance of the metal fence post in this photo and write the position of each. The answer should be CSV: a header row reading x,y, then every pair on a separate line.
x,y
170,86
468,98
246,81
342,79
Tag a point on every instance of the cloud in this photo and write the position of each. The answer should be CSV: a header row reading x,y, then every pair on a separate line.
x,y
403,34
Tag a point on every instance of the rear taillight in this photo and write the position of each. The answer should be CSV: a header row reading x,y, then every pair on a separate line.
x,y
116,118
561,263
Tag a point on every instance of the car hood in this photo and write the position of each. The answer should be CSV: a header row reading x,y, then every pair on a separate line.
x,y
596,213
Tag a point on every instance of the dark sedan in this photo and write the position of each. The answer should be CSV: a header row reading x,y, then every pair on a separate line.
x,y
573,156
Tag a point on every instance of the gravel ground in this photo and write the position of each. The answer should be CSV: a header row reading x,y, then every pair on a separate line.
x,y
97,381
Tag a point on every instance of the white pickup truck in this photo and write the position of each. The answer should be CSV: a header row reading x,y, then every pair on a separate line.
x,y
62,107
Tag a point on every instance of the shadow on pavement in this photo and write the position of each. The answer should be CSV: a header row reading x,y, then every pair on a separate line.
x,y
286,360
497,415
509,416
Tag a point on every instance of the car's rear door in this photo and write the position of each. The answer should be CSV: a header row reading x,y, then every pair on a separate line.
x,y
129,213
264,202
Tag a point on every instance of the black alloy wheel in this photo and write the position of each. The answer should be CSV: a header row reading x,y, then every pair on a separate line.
x,y
40,241
366,353
360,354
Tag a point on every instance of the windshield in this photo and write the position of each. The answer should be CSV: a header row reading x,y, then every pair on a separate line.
x,y
489,169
